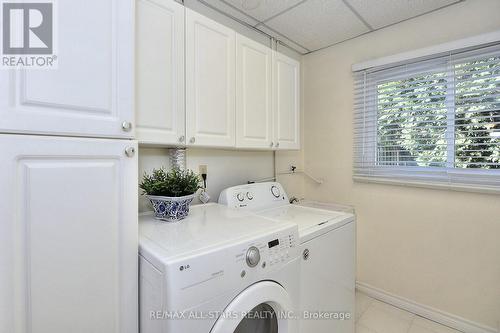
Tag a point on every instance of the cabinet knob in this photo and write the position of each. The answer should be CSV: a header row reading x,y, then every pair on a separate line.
x,y
126,126
277,144
181,138
271,144
192,140
130,151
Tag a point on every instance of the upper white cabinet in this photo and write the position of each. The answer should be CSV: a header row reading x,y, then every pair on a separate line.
x,y
199,83
160,110
286,94
254,110
210,82
91,92
68,235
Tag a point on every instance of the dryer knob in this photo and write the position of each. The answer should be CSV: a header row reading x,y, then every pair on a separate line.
x,y
275,191
253,256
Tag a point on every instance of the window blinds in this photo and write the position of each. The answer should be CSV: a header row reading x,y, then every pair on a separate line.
x,y
433,120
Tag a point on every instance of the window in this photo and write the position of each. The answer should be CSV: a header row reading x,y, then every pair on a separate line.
x,y
433,121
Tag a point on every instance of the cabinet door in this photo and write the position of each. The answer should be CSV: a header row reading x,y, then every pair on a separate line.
x,y
90,93
286,102
68,235
210,82
160,109
253,94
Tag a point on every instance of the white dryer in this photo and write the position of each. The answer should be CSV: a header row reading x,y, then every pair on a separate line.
x,y
327,246
218,271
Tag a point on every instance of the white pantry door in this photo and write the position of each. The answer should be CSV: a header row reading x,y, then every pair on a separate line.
x,y
286,102
91,91
160,111
210,82
254,108
68,235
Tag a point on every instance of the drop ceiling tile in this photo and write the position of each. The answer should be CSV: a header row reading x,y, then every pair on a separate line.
x,y
262,9
381,13
318,23
230,10
282,38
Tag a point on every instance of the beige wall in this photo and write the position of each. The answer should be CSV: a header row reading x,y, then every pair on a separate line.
x,y
225,167
435,247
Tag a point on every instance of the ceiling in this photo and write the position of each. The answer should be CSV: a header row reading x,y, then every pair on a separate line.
x,y
310,25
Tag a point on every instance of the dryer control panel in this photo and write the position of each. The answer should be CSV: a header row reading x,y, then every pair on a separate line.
x,y
255,196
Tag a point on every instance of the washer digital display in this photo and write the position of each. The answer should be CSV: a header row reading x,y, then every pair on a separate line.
x,y
273,243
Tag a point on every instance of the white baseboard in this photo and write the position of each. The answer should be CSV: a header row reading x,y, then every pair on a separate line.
x,y
425,311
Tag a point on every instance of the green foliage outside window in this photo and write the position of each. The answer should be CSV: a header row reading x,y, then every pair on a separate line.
x,y
415,126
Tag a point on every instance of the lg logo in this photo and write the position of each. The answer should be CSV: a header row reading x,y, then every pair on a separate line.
x,y
27,28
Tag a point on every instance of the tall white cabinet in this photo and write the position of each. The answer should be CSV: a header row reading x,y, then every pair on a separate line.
x,y
68,198
254,108
91,91
160,111
210,82
68,220
286,83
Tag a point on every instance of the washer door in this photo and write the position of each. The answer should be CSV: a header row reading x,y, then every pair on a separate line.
x,y
264,307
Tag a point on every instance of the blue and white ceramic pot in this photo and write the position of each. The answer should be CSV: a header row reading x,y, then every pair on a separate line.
x,y
171,209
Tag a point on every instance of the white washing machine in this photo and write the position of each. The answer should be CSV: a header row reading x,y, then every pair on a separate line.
x,y
327,246
218,271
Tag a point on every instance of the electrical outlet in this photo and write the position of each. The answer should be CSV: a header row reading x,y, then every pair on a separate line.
x,y
203,169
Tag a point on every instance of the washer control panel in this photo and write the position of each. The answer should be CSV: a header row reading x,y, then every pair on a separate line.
x,y
254,196
280,249
234,265
269,252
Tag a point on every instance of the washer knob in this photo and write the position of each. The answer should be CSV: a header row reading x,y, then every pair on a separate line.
x,y
275,191
253,256
240,197
249,195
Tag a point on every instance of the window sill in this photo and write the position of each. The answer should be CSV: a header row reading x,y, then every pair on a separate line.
x,y
431,185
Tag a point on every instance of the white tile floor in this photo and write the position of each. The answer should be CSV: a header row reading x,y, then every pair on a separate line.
x,y
373,316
